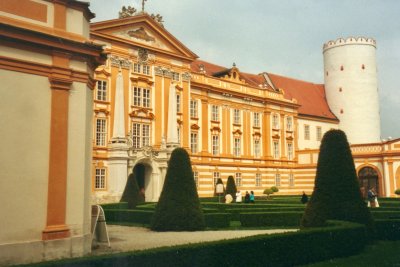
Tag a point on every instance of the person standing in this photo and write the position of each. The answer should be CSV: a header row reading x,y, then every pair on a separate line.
x,y
371,198
251,197
247,197
304,198
238,197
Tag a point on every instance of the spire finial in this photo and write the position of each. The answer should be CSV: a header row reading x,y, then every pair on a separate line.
x,y
143,5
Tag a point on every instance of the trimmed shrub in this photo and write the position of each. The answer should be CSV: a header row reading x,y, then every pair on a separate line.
x,y
120,205
289,218
274,189
217,220
397,191
336,192
387,229
305,247
178,208
231,187
132,193
268,192
128,216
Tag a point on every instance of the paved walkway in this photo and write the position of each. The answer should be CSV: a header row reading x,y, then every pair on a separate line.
x,y
126,238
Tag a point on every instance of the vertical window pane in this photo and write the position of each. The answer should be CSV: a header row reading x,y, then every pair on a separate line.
x,y
215,145
214,113
193,142
215,178
290,151
236,147
101,132
258,179
307,132
101,91
100,178
193,108
236,116
277,179
238,179
256,119
276,150
178,103
289,123
137,96
275,121
146,98
196,178
319,133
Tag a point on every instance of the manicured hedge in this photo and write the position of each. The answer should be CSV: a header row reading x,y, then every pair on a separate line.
x,y
217,220
235,213
119,205
130,216
378,213
290,218
288,249
387,229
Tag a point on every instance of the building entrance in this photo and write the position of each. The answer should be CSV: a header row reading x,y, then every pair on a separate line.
x,y
368,179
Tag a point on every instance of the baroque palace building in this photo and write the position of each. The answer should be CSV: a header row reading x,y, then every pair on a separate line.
x,y
154,94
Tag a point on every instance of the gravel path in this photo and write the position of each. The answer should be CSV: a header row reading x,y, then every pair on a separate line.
x,y
126,238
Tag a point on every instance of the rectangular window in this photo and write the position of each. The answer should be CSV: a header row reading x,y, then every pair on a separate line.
x,y
193,142
238,179
140,135
137,92
146,69
101,132
214,113
145,135
307,132
178,132
101,91
319,133
258,179
100,178
236,116
196,178
215,178
175,76
257,148
277,179
146,98
136,67
291,179
236,147
289,124
215,145
275,121
193,108
276,150
178,103
256,119
290,151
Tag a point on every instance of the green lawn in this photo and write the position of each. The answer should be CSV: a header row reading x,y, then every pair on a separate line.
x,y
379,254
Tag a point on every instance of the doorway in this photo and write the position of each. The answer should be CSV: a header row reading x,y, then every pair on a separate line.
x,y
142,174
368,178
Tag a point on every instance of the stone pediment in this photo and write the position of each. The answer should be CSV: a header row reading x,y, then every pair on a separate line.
x,y
140,31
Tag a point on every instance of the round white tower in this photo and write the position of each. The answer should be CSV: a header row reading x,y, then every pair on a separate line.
x,y
351,87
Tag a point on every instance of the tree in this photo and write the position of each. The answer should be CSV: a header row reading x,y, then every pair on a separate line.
x,y
268,192
397,191
132,193
231,187
178,208
336,194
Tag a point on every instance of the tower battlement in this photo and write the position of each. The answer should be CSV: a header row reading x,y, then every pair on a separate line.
x,y
349,41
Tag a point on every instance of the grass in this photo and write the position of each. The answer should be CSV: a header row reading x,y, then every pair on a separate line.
x,y
378,254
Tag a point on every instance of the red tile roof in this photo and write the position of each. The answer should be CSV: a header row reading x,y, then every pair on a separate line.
x,y
310,96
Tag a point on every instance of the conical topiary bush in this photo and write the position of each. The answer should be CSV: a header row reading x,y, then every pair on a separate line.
x,y
178,208
132,193
231,187
336,194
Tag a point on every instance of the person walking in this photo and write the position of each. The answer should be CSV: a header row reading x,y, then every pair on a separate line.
x,y
247,197
238,197
251,197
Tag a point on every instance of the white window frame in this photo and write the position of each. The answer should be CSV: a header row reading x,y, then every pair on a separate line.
x,y
101,132
100,178
193,142
175,76
277,179
146,69
256,119
193,108
236,116
290,151
276,149
178,103
306,132
258,179
275,121
214,113
238,179
140,135
137,96
146,96
137,67
237,146
215,144
101,93
257,148
291,179
289,123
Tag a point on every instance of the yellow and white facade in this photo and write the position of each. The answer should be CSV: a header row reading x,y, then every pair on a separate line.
x,y
46,71
263,129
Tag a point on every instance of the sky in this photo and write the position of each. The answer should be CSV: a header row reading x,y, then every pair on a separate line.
x,y
283,37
